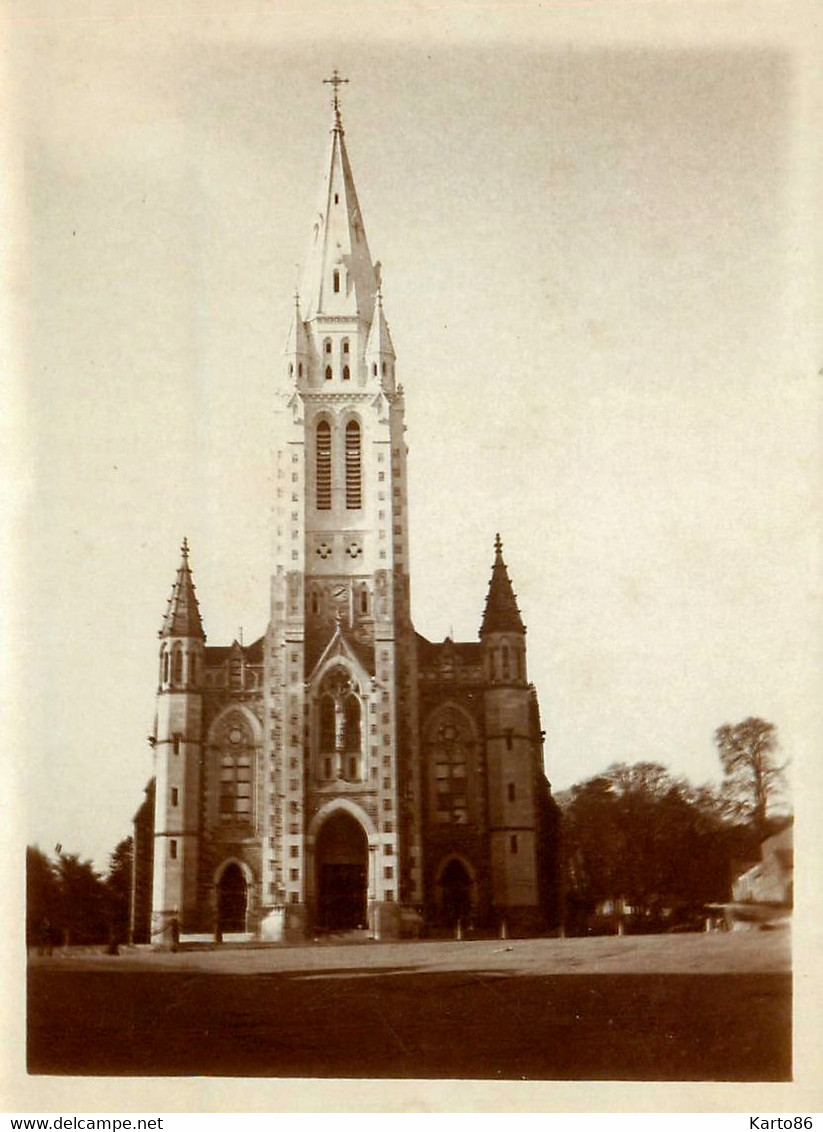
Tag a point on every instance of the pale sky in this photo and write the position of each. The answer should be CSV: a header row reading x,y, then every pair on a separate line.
x,y
596,266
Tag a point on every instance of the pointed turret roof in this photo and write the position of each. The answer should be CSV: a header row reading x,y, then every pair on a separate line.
x,y
501,614
379,340
183,614
297,341
338,240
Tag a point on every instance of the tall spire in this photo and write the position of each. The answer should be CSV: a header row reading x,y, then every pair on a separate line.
x,y
183,614
501,614
338,276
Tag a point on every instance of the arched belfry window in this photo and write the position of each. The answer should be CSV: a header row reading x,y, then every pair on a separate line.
x,y
345,347
165,665
336,282
177,666
323,466
346,373
354,474
328,373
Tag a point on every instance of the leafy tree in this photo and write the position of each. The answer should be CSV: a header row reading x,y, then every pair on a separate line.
x,y
43,907
753,777
639,835
118,888
83,901
68,901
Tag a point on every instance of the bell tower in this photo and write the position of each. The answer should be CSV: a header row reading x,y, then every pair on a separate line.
x,y
340,686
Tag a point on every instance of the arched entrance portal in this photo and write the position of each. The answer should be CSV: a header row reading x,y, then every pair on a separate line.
x,y
342,869
232,899
456,893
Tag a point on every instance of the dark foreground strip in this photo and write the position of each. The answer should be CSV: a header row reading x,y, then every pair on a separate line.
x,y
411,1023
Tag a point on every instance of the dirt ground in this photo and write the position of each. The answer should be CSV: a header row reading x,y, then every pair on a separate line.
x,y
664,1008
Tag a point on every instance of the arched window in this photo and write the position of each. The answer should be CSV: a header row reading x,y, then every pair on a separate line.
x,y
374,369
291,369
328,373
345,346
352,723
364,600
354,487
323,466
177,666
315,601
299,369
346,373
327,345
165,666
505,665
326,724
192,657
336,282
449,752
236,773
351,737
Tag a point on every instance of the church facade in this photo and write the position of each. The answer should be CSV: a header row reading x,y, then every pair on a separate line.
x,y
341,771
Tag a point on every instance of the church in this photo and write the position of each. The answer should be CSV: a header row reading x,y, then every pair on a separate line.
x,y
342,773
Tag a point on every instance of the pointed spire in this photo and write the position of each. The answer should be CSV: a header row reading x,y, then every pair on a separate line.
x,y
183,614
297,343
501,614
379,344
338,276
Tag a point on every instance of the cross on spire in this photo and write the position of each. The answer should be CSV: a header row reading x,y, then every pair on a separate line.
x,y
335,82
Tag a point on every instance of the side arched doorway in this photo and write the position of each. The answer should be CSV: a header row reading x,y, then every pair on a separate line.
x,y
341,867
232,900
455,892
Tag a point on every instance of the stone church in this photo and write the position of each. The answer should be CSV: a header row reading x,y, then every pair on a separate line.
x,y
342,772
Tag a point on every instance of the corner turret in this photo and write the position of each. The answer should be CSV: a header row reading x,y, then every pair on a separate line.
x,y
502,630
297,352
176,744
380,355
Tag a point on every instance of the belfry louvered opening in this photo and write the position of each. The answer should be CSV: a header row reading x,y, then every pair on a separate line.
x,y
354,478
323,466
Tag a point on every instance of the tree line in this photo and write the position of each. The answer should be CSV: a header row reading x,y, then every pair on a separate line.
x,y
645,847
69,902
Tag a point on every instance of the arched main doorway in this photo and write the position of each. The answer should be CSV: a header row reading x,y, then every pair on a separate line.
x,y
232,899
341,867
455,893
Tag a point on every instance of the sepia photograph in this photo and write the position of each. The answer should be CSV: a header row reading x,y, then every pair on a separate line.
x,y
414,519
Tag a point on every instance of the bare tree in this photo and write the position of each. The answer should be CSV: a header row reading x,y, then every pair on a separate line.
x,y
753,777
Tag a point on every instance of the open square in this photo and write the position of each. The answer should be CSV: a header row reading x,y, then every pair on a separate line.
x,y
713,1007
